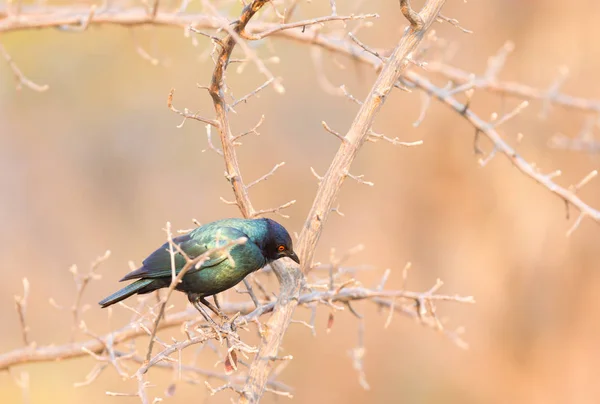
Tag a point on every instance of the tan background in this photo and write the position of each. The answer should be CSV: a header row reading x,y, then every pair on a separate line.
x,y
97,163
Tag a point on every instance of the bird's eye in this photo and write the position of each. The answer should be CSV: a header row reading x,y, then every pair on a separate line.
x,y
281,248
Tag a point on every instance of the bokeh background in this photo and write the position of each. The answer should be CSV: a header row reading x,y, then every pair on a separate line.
x,y
98,163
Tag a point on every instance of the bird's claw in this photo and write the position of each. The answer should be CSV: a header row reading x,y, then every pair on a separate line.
x,y
229,324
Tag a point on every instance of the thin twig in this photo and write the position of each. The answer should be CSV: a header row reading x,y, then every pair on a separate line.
x,y
21,306
19,76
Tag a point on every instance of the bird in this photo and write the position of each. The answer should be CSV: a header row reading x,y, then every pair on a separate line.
x,y
226,265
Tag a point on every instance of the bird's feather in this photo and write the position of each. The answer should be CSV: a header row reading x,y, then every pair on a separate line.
x,y
266,241
193,244
135,287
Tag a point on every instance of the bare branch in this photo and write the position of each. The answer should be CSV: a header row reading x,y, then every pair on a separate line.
x,y
253,93
329,188
306,23
359,179
513,89
186,114
584,181
511,114
276,210
252,131
267,175
81,282
374,137
365,47
501,146
357,354
424,107
454,22
350,96
250,312
21,305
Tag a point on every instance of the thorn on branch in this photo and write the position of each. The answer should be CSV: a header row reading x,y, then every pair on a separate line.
x,y
186,114
210,143
553,91
424,107
359,179
226,202
374,137
251,131
19,76
476,148
365,47
357,354
266,176
92,375
333,7
576,224
554,174
142,52
23,383
454,22
350,96
84,23
354,312
317,176
402,87
254,92
21,306
469,94
484,161
250,292
496,62
276,210
584,181
336,209
334,133
213,38
423,65
279,392
227,386
154,9
384,279
511,114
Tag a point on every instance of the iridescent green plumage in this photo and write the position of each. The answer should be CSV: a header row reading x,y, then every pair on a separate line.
x,y
266,241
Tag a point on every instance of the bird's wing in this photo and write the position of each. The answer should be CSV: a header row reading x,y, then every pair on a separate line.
x,y
194,244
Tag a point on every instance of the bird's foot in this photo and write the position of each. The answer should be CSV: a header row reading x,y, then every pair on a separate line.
x,y
227,326
226,329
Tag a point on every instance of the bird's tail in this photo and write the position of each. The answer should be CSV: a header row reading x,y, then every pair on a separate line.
x,y
135,287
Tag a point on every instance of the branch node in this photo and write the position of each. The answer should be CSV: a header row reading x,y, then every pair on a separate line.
x,y
415,20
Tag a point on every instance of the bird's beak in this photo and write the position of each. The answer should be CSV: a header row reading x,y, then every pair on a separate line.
x,y
294,257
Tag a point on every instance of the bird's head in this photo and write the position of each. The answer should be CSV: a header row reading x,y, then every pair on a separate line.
x,y
278,243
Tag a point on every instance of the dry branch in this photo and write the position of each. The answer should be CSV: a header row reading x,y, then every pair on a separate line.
x,y
36,17
99,344
393,72
327,193
513,89
445,97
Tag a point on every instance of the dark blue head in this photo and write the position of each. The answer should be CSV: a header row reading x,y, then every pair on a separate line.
x,y
278,243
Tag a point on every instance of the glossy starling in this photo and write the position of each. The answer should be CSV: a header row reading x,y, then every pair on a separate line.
x,y
267,241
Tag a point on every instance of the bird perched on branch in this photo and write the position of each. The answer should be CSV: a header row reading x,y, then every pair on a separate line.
x,y
216,257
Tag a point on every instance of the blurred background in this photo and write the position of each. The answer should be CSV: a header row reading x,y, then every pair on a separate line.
x,y
97,162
